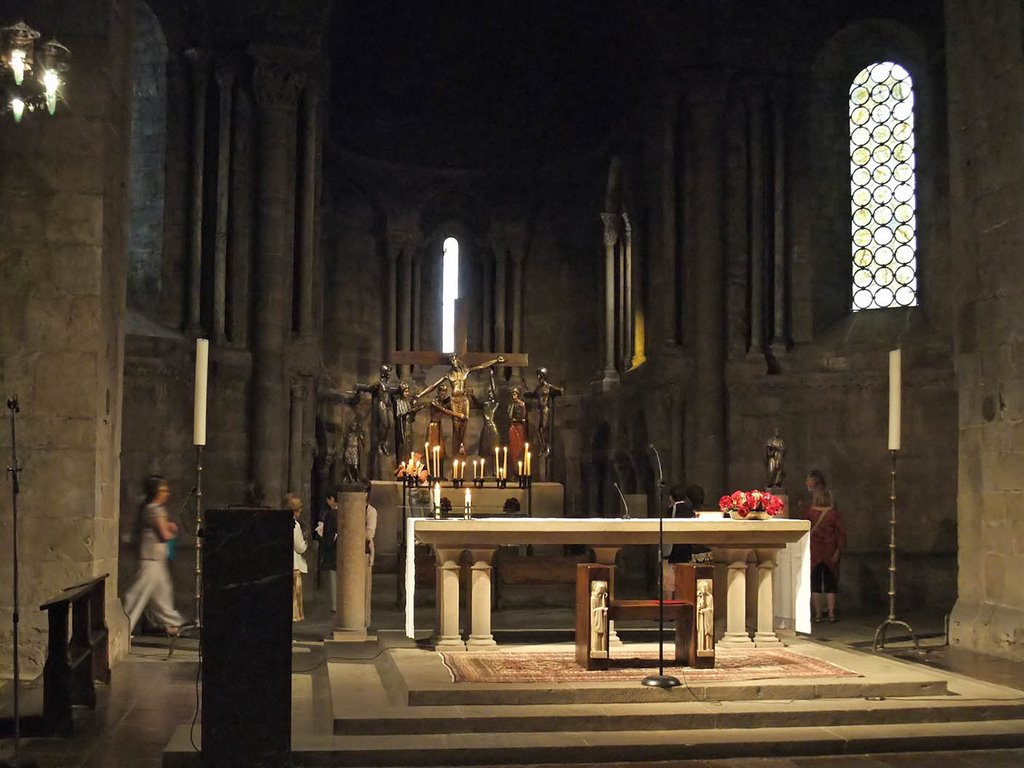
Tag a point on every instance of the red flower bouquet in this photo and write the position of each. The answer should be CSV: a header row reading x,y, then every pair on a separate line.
x,y
743,504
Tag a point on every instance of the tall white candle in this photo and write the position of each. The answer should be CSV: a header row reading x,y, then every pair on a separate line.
x,y
437,495
894,400
469,501
199,412
504,461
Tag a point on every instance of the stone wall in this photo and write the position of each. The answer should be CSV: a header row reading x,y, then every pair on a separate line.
x,y
62,260
986,86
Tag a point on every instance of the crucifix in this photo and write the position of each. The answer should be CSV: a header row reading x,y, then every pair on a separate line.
x,y
461,363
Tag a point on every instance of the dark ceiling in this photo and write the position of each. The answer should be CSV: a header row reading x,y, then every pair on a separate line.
x,y
480,83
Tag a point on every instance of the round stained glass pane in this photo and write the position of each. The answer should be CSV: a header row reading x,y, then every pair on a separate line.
x,y
905,254
883,235
861,197
904,275
881,154
862,278
881,133
882,215
880,93
862,299
902,193
861,176
862,237
903,213
861,156
883,297
862,217
862,258
882,195
882,174
860,116
860,136
906,295
859,95
883,256
881,113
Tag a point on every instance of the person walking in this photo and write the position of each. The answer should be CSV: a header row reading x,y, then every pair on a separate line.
x,y
153,588
828,540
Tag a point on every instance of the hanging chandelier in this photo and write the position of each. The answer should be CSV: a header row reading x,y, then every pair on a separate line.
x,y
31,75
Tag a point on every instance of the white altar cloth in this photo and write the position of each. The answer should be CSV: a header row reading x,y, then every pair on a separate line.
x,y
613,532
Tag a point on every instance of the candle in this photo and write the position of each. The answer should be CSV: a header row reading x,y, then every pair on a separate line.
x,y
894,400
437,496
426,456
519,471
437,461
528,464
455,469
469,501
482,473
504,462
199,412
497,463
475,462
526,458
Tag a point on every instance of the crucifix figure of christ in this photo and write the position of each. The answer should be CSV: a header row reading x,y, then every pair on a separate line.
x,y
461,363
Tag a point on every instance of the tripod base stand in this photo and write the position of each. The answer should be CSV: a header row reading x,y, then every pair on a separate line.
x,y
891,622
660,681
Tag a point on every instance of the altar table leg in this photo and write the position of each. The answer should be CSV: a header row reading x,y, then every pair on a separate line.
x,y
448,571
606,556
480,636
736,601
765,636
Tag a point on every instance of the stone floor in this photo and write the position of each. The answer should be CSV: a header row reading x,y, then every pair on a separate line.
x,y
152,695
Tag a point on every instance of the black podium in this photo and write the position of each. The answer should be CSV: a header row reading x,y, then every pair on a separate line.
x,y
247,638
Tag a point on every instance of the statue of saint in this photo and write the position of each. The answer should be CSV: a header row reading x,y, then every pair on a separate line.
x,y
405,415
518,433
439,408
456,378
775,454
545,393
705,617
599,619
352,450
381,394
489,438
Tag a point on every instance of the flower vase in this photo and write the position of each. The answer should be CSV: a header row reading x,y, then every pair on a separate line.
x,y
757,514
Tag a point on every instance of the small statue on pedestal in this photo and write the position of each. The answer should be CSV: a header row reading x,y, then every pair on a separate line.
x,y
545,393
599,619
705,617
352,450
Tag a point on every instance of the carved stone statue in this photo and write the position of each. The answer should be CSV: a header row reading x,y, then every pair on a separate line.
x,y
545,393
456,378
775,454
705,616
599,619
381,393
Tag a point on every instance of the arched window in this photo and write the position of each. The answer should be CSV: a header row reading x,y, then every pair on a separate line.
x,y
883,188
449,293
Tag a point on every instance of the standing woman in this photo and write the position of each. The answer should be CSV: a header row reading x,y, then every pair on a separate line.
x,y
299,566
153,587
828,540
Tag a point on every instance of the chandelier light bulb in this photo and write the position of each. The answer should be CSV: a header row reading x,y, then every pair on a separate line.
x,y
18,65
18,108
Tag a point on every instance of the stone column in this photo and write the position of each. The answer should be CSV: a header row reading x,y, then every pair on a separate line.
x,y
240,219
417,301
307,227
405,280
757,232
448,572
501,339
392,304
487,315
200,72
736,600
764,636
480,600
669,308
611,238
277,85
517,302
225,82
627,292
295,464
350,618
779,336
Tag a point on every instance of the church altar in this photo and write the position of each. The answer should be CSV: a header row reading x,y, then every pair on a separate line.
x,y
733,543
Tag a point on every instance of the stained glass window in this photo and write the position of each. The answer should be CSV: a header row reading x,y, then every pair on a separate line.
x,y
449,293
883,188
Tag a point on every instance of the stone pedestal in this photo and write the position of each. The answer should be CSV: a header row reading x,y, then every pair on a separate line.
x,y
350,618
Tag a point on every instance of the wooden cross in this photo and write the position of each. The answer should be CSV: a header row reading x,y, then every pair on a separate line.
x,y
468,359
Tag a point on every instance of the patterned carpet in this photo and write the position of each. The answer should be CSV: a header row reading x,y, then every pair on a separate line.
x,y
730,665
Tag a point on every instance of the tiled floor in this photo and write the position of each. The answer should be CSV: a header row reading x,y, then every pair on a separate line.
x,y
151,695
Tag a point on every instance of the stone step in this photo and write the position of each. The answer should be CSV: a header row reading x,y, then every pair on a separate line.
x,y
662,717
619,747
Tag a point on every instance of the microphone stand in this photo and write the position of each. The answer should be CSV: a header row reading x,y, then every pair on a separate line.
x,y
661,680
625,506
15,468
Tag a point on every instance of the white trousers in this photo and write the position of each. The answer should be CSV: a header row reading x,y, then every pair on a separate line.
x,y
152,588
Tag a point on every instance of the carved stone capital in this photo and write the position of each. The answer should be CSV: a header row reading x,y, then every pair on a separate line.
x,y
299,390
611,228
627,228
276,86
225,75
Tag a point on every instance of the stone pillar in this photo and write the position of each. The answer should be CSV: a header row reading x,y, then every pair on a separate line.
x,y
307,228
627,293
611,238
392,305
668,309
240,219
200,66
780,299
277,85
225,82
350,618
736,600
405,280
487,315
757,232
480,601
517,303
500,332
417,301
295,463
447,587
764,636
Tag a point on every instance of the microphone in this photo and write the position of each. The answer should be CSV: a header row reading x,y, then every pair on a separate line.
x,y
625,507
661,476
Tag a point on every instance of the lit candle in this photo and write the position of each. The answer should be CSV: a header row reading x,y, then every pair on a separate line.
x,y
519,471
437,461
426,456
469,501
482,473
497,463
437,495
455,469
475,462
504,462
894,400
526,458
529,466
199,412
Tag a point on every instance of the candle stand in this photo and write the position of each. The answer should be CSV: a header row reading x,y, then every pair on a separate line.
x,y
879,642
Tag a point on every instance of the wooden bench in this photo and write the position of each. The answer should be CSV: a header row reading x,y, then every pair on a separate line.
x,y
75,660
694,645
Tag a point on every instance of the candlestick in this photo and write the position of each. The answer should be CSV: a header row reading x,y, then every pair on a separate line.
x,y
199,412
894,400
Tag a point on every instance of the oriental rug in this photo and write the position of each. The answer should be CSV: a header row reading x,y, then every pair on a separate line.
x,y
731,665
